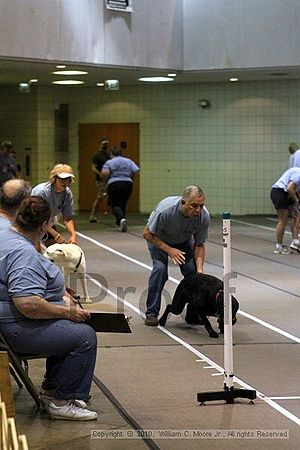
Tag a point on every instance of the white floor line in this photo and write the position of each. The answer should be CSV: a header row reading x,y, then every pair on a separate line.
x,y
200,355
271,327
112,250
255,225
272,219
262,227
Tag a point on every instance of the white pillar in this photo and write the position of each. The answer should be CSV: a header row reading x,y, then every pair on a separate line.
x,y
228,346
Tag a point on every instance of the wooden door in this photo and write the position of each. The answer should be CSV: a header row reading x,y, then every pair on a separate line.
x,y
124,135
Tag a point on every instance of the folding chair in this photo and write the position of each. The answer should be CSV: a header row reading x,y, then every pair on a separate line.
x,y
19,370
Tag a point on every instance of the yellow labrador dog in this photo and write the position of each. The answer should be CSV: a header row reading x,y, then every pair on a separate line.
x,y
70,259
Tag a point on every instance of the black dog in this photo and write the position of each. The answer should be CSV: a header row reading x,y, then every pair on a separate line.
x,y
205,293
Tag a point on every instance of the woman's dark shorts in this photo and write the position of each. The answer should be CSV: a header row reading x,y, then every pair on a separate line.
x,y
281,199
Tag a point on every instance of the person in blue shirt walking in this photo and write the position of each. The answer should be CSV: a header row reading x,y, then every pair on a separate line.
x,y
119,172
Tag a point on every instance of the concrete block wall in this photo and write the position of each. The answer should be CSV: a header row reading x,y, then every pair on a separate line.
x,y
234,150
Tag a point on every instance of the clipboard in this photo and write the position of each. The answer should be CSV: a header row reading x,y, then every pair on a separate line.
x,y
109,322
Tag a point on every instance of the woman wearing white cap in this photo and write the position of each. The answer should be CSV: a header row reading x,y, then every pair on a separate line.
x,y
60,198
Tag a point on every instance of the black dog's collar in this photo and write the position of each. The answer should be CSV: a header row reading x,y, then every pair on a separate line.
x,y
218,293
219,313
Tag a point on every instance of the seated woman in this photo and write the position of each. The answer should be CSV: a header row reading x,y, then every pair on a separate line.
x,y
37,316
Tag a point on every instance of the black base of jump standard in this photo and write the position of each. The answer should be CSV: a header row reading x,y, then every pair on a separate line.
x,y
228,395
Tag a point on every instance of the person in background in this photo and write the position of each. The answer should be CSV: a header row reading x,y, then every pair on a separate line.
x,y
119,173
177,229
97,163
294,158
8,166
12,192
284,194
38,317
294,161
13,154
60,197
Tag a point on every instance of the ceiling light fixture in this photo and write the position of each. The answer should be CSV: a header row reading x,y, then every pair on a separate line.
x,y
233,79
111,85
69,72
24,88
172,74
203,103
100,84
156,79
68,82
33,80
61,66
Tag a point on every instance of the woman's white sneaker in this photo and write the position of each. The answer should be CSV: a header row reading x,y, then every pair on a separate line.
x,y
282,250
123,225
295,246
71,411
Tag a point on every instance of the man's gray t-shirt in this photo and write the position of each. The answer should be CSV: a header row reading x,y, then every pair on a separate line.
x,y
169,224
60,202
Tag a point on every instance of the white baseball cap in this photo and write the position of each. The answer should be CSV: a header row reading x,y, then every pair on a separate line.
x,y
65,175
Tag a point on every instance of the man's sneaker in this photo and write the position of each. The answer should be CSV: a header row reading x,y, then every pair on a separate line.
x,y
71,411
93,219
123,225
294,246
281,250
151,321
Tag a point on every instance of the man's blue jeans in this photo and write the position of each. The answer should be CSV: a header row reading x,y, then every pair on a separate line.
x,y
159,274
70,349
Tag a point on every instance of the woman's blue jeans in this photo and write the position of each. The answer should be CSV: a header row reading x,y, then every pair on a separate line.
x,y
159,274
70,349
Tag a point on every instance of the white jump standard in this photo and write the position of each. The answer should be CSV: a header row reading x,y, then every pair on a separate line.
x,y
229,392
